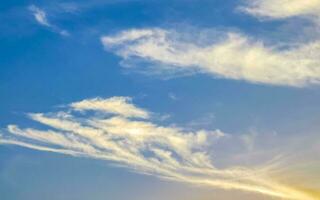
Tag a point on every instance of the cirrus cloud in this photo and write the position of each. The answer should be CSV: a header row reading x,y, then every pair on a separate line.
x,y
41,17
140,144
236,56
279,9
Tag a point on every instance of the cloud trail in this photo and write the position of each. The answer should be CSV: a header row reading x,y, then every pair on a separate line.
x,y
41,17
280,9
235,56
101,129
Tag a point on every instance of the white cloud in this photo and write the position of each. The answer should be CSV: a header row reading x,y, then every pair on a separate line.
x,y
114,105
278,9
165,151
41,17
234,57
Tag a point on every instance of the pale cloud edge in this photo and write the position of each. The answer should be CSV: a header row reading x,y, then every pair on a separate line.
x,y
41,17
129,138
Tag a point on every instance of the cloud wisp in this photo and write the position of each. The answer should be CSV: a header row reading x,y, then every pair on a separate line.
x,y
235,56
116,130
280,9
41,17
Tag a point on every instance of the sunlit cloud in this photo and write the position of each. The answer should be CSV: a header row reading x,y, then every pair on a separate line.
x,y
116,130
235,56
115,105
41,17
279,9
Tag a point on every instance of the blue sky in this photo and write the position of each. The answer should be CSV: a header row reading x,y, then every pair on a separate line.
x,y
179,99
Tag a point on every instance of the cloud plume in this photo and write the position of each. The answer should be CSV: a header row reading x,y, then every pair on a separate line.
x,y
116,130
235,56
280,9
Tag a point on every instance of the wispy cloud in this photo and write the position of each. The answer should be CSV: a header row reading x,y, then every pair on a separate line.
x,y
236,56
41,17
114,105
129,138
279,9
173,96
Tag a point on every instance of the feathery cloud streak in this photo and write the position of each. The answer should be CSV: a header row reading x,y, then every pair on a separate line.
x,y
128,137
235,57
41,17
114,105
279,9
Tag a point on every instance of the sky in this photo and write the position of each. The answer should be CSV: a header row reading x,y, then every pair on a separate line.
x,y
150,99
